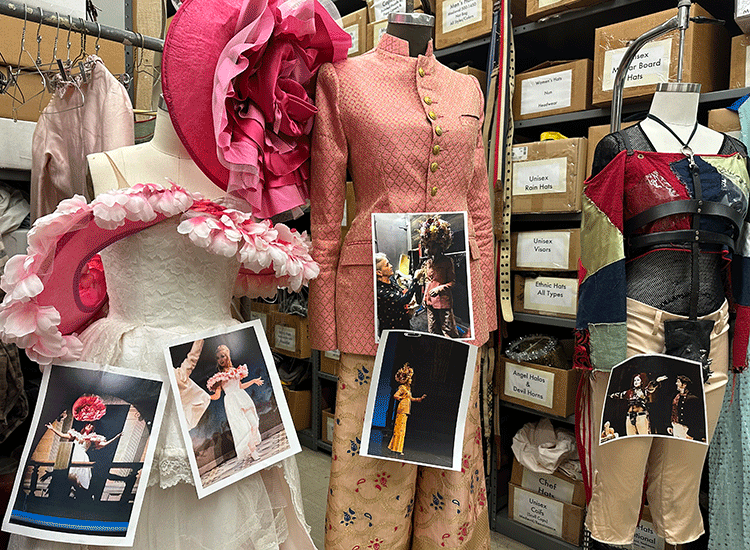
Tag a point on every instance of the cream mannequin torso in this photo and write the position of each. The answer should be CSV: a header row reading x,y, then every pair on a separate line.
x,y
679,110
161,159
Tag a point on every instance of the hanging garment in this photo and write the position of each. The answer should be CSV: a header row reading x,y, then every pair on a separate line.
x,y
637,270
410,132
80,119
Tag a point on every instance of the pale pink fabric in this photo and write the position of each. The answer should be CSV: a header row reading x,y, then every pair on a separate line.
x,y
71,127
373,118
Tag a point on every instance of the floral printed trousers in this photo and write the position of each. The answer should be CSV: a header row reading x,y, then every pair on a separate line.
x,y
378,504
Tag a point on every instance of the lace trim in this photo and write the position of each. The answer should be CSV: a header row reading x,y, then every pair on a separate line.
x,y
271,256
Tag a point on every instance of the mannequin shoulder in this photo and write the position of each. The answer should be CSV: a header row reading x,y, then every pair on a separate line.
x,y
106,170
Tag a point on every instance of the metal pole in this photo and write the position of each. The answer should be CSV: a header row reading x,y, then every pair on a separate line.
x,y
679,21
129,38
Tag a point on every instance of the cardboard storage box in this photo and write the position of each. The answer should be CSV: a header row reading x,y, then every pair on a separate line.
x,y
539,387
299,402
329,362
553,88
378,10
705,60
481,76
536,9
289,335
548,175
556,485
552,250
564,521
327,422
739,75
356,25
252,310
724,120
595,134
551,296
457,21
375,32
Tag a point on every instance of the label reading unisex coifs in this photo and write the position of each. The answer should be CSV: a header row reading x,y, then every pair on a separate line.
x,y
538,512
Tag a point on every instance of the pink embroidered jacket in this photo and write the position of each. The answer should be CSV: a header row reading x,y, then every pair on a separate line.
x,y
409,131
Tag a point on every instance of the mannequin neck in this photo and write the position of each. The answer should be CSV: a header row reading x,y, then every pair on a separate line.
x,y
676,108
165,138
415,28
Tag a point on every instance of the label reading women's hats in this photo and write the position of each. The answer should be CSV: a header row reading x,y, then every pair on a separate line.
x,y
551,294
535,386
285,338
547,92
353,31
543,249
538,512
383,8
458,14
534,177
548,485
650,66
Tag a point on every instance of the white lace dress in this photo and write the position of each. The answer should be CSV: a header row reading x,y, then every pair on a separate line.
x,y
242,417
162,286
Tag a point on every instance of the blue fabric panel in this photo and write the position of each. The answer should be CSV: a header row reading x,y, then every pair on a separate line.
x,y
601,297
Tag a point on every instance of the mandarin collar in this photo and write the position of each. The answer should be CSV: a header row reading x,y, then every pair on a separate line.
x,y
400,47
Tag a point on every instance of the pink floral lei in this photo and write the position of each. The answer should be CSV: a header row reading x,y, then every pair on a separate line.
x,y
271,257
220,377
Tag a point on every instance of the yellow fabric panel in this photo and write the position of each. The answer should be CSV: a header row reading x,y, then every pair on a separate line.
x,y
601,240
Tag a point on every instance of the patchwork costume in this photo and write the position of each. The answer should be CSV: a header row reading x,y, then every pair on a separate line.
x,y
642,210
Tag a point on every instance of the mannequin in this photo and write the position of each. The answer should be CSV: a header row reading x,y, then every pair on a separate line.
x,y
415,28
408,131
163,157
665,271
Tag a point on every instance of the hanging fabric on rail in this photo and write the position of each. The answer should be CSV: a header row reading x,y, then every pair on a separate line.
x,y
80,119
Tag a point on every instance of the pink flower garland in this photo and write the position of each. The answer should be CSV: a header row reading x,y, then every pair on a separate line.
x,y
271,256
220,377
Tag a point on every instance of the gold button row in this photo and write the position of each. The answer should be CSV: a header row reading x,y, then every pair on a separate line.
x,y
428,100
433,191
421,71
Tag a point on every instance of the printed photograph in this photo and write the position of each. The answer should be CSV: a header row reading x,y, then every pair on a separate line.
x,y
231,405
421,274
418,400
655,396
85,464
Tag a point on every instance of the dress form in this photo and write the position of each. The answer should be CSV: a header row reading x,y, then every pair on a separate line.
x,y
415,28
676,104
156,161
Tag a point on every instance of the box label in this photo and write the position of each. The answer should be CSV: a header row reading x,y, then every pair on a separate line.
x,y
547,3
285,338
329,428
353,31
263,319
551,294
519,154
458,14
747,66
650,66
385,7
538,512
548,486
535,386
645,537
535,177
741,8
543,249
378,31
335,354
547,93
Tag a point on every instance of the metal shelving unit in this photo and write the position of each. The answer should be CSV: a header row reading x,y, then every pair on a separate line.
x,y
544,320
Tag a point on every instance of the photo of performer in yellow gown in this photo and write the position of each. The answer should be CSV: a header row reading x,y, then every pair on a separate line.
x,y
404,398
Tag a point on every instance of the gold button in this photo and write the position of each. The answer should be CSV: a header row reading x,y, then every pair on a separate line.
x,y
435,149
421,71
428,100
434,167
433,191
432,115
438,130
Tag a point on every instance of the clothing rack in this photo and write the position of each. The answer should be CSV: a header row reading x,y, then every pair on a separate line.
x,y
679,21
20,10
